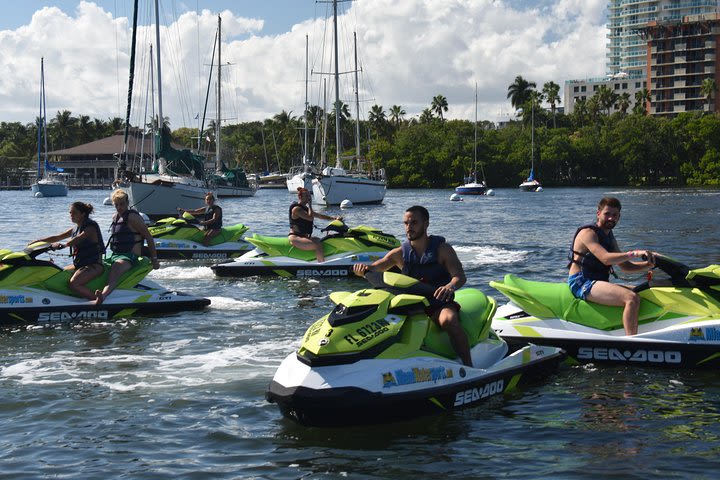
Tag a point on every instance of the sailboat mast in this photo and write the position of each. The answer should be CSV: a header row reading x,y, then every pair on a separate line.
x,y
475,145
161,119
337,89
219,89
305,115
532,136
123,156
357,106
41,118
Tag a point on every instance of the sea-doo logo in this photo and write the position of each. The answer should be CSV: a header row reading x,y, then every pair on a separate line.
x,y
313,272
13,299
641,356
202,256
62,316
475,394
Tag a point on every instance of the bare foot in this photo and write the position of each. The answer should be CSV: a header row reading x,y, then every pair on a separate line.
x,y
99,297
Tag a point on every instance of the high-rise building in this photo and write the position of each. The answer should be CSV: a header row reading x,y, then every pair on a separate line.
x,y
627,55
627,52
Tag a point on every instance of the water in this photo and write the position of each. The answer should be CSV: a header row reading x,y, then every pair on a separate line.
x,y
183,395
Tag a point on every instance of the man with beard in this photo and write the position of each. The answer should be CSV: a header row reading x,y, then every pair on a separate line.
x,y
593,253
429,259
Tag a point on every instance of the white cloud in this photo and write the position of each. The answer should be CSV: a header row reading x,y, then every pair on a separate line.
x,y
410,52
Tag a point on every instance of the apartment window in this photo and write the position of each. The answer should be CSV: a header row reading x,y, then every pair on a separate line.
x,y
624,86
637,84
583,88
595,87
576,89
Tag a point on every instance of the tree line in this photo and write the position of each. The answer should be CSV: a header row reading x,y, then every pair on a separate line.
x,y
593,145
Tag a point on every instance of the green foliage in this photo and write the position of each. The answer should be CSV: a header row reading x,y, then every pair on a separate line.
x,y
587,148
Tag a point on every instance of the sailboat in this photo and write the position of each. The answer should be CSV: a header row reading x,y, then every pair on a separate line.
x,y
177,180
303,177
473,187
49,183
531,184
228,182
335,184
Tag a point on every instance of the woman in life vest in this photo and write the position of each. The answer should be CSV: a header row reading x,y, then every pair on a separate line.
x,y
301,216
212,220
86,247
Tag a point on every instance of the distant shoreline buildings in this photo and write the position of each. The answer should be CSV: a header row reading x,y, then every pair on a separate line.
x,y
667,46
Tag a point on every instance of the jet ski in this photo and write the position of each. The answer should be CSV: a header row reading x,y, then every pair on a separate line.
x,y
377,357
343,246
679,319
34,290
181,238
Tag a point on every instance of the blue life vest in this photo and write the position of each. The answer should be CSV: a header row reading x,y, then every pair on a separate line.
x,y
209,212
425,268
122,238
592,268
300,226
86,252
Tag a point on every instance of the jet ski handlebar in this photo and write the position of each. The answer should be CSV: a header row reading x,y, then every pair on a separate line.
x,y
37,248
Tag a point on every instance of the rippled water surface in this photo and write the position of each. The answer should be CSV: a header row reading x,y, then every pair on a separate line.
x,y
183,395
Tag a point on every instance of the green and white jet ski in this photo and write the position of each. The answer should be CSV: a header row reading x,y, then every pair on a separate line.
x,y
343,246
679,320
377,357
181,239
33,290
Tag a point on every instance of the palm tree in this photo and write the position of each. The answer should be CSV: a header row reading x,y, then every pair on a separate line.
x,y
426,116
623,102
551,90
396,114
63,128
708,89
377,118
519,91
642,97
439,105
606,98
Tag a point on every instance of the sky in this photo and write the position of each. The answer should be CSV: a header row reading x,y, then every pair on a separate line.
x,y
409,51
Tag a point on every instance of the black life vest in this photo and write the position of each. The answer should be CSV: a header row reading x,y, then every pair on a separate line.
x,y
209,212
592,268
425,268
122,238
87,252
300,226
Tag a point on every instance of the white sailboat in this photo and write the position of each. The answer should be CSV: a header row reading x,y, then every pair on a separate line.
x,y
335,184
531,184
227,182
472,186
179,179
49,181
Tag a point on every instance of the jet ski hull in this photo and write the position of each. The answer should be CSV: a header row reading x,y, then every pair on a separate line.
x,y
196,251
249,266
379,391
31,305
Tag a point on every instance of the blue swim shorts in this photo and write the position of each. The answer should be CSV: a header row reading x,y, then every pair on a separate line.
x,y
580,286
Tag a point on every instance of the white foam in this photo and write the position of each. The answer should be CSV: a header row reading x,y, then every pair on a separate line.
x,y
183,273
163,366
473,255
227,303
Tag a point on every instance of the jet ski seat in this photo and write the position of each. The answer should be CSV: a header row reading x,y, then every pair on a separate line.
x,y
555,300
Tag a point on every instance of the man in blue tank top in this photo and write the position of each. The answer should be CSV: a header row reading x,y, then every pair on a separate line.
x,y
593,252
433,261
